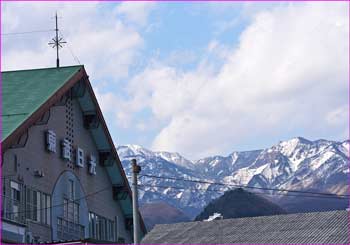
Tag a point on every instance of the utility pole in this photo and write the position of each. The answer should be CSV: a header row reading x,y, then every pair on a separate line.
x,y
57,43
136,169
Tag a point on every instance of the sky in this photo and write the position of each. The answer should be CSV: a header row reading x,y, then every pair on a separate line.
x,y
200,79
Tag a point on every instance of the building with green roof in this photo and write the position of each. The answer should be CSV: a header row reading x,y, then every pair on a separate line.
x,y
62,177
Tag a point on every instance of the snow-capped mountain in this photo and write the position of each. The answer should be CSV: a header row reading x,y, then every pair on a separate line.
x,y
297,164
158,163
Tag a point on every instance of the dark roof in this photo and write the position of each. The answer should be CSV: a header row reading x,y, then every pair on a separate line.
x,y
23,92
312,228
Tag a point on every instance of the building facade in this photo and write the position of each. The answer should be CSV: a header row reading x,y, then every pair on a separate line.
x,y
62,179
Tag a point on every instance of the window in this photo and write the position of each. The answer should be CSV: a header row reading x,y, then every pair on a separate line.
x,y
101,228
75,213
33,205
116,227
92,225
21,203
15,191
65,208
46,209
36,206
70,216
15,201
59,227
110,230
68,230
71,189
97,234
69,226
71,211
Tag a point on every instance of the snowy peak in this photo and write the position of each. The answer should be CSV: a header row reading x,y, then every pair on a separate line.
x,y
298,164
288,147
299,149
128,151
136,151
344,147
175,158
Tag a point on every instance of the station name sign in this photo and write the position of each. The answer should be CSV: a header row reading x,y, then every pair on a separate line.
x,y
66,152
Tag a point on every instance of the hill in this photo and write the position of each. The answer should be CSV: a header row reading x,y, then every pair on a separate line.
x,y
240,203
161,213
308,204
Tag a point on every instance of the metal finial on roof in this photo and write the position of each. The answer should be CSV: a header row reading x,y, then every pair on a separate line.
x,y
57,43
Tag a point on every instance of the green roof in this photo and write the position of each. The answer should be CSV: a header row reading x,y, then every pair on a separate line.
x,y
23,92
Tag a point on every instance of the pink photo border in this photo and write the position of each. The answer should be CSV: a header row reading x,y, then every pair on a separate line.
x,y
166,1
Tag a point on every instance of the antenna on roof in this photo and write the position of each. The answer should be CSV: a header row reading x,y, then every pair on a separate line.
x,y
57,43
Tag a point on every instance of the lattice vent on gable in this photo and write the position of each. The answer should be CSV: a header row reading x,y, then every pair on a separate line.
x,y
70,128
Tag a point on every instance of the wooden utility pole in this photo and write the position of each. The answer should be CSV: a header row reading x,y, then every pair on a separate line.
x,y
136,169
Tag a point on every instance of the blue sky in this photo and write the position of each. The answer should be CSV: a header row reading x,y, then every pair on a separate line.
x,y
199,78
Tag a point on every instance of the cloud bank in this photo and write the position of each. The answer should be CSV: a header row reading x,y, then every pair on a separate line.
x,y
102,38
288,75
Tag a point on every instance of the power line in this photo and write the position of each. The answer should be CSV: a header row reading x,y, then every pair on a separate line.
x,y
241,186
58,205
25,32
7,176
258,193
71,50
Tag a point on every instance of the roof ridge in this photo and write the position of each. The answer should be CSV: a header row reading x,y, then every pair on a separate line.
x,y
47,68
257,217
329,227
19,84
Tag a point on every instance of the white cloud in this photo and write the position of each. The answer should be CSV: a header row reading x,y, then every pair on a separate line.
x,y
288,74
135,12
105,43
338,116
115,107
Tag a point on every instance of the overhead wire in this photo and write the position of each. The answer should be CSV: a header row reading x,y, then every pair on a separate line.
x,y
7,176
71,50
259,193
76,59
243,186
58,205
26,32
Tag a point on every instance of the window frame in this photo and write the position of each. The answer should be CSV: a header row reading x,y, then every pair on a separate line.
x,y
102,228
33,204
45,209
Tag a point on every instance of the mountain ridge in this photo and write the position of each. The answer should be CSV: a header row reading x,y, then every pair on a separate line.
x,y
298,163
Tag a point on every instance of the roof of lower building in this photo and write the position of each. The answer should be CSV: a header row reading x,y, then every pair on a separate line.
x,y
24,91
303,228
